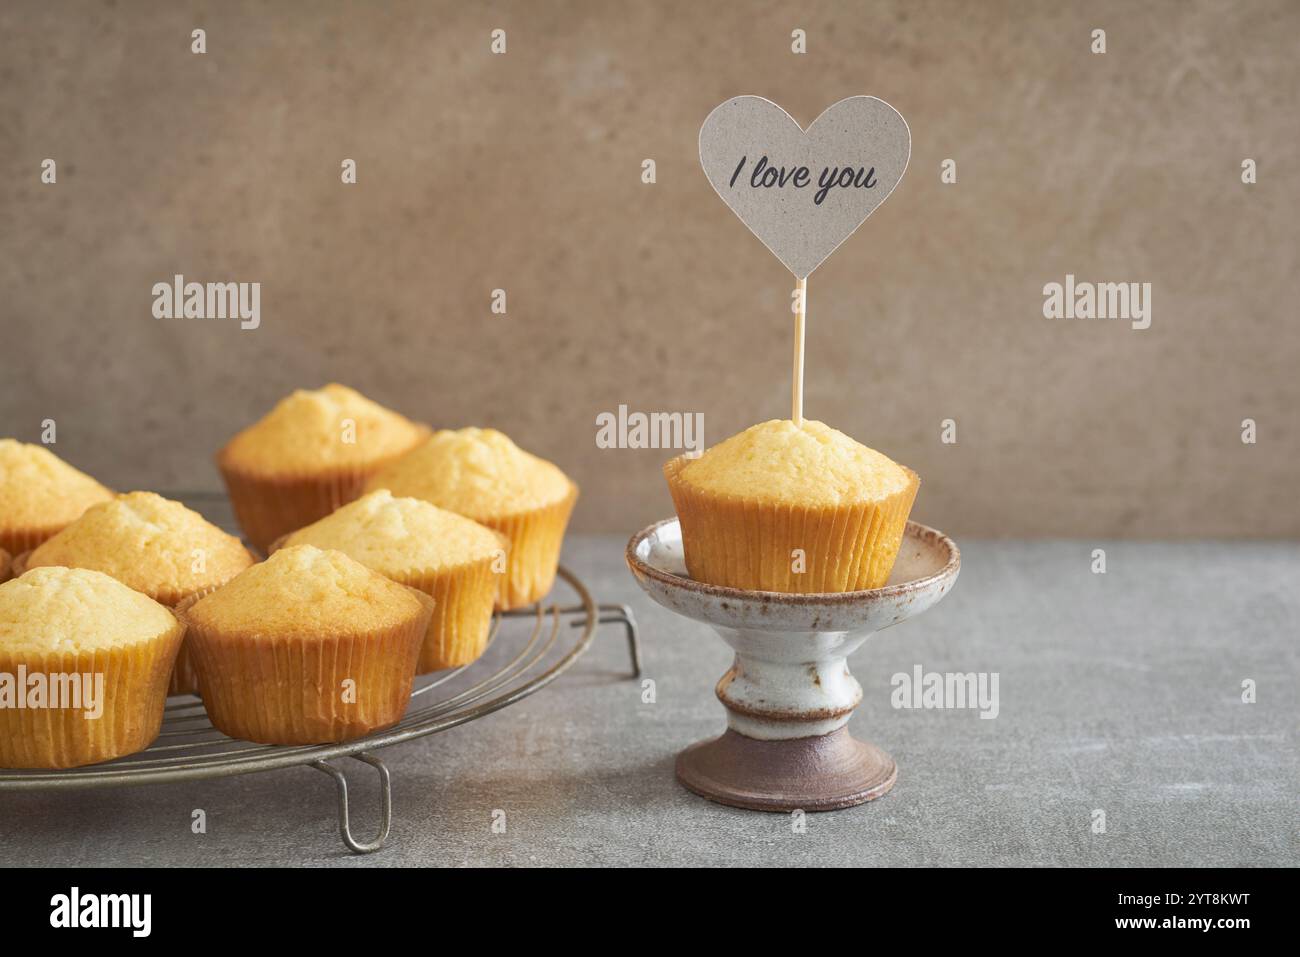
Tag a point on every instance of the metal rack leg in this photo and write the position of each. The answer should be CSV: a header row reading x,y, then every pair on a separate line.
x,y
622,614
617,615
386,803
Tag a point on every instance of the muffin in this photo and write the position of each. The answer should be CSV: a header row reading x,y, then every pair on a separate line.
x,y
153,545
307,647
450,558
6,563
791,508
312,453
105,652
482,475
39,494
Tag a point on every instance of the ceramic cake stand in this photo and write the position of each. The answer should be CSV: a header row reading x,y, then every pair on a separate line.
x,y
789,694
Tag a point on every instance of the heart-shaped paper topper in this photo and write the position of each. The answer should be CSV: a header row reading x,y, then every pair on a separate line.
x,y
803,192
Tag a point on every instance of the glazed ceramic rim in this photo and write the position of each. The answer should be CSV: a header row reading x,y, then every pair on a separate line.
x,y
945,574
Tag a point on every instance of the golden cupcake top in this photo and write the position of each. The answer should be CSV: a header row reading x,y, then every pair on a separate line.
x,y
52,610
317,430
806,464
148,542
38,489
304,590
396,535
476,472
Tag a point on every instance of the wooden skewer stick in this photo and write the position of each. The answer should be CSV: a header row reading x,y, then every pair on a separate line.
x,y
801,309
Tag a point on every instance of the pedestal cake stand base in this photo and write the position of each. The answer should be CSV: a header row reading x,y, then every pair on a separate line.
x,y
819,773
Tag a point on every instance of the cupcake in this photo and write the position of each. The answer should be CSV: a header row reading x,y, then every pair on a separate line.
x,y
791,508
312,453
482,475
307,647
84,662
154,545
6,563
450,558
39,494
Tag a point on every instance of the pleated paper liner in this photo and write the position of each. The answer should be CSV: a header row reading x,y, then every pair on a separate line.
x,y
18,565
744,543
462,616
185,676
268,506
184,679
291,690
536,537
463,599
15,541
134,693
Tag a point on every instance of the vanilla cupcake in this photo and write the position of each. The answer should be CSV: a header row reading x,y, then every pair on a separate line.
x,y
39,494
84,663
791,508
312,453
450,558
481,474
154,545
307,647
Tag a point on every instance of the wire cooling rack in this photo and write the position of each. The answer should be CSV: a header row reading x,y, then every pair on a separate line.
x,y
527,650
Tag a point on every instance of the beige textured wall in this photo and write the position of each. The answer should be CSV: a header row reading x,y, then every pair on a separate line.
x,y
523,171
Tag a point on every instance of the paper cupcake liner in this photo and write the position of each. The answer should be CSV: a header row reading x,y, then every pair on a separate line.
x,y
185,674
134,693
292,691
184,678
15,541
743,543
533,556
463,599
267,507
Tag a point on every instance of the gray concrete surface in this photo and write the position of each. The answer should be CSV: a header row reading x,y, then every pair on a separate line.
x,y
1119,692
